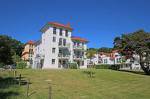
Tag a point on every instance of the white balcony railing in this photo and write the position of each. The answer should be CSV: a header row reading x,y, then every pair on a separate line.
x,y
63,56
78,47
64,45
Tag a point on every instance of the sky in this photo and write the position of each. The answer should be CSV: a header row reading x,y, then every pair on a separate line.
x,y
99,21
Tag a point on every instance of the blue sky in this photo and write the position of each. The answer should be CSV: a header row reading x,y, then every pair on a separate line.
x,y
100,21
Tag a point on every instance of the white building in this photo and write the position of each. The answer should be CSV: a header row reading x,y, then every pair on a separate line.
x,y
114,58
57,48
106,58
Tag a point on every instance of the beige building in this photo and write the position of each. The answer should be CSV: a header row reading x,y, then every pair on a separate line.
x,y
27,54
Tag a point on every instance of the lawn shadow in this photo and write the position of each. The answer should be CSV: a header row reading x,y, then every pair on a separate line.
x,y
134,72
5,95
6,83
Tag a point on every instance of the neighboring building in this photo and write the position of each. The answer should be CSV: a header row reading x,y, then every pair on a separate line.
x,y
57,48
107,58
114,58
27,54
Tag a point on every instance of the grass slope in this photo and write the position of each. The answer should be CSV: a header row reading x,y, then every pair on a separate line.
x,y
75,84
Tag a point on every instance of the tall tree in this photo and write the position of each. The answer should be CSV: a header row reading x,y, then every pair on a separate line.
x,y
136,42
8,48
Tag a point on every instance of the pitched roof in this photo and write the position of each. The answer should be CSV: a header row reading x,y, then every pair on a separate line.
x,y
30,42
61,25
56,24
79,39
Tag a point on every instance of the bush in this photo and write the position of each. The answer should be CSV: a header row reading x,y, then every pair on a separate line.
x,y
21,65
2,65
73,65
103,66
115,67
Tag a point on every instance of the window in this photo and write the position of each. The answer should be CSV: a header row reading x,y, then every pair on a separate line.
x,y
54,39
78,44
60,41
66,33
54,30
53,61
60,33
105,61
64,42
53,50
82,63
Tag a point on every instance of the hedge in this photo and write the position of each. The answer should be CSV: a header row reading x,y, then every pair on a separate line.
x,y
103,66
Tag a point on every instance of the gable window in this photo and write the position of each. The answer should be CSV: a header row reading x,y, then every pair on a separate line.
x,y
66,33
60,33
53,50
54,30
54,39
53,61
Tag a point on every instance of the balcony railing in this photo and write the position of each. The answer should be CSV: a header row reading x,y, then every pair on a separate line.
x,y
64,45
78,47
63,56
78,57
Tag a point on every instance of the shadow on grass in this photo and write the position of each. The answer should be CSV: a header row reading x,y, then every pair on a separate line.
x,y
135,72
6,83
5,95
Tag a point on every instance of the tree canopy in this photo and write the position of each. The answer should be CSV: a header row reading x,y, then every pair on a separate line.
x,y
136,42
8,48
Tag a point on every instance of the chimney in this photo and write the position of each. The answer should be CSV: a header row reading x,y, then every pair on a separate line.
x,y
68,24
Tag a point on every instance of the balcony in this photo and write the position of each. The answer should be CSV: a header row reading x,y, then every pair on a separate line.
x,y
78,47
66,45
64,56
75,57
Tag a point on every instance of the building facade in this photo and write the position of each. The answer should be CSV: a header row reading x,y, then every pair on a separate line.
x,y
114,58
57,48
27,54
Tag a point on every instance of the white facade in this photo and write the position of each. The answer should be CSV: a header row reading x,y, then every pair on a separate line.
x,y
56,48
114,59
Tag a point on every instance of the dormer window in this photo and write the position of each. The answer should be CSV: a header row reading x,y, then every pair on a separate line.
x,y
54,30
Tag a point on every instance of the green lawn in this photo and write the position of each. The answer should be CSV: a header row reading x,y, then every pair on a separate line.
x,y
75,84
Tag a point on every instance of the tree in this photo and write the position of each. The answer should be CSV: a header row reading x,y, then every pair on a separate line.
x,y
136,42
105,49
8,48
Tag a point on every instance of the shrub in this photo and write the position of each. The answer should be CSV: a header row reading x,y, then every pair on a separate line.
x,y
21,65
115,67
73,65
103,66
2,65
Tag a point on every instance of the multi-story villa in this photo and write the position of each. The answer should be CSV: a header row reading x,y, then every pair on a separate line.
x,y
27,54
57,48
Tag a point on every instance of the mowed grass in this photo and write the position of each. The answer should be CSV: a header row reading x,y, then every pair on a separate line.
x,y
76,84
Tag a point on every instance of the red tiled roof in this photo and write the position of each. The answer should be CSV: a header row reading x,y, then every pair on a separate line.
x,y
25,53
61,25
79,39
30,42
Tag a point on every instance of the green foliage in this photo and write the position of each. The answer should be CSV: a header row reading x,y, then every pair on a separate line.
x,y
8,48
103,66
2,65
105,49
115,67
73,65
21,65
90,53
135,42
